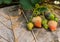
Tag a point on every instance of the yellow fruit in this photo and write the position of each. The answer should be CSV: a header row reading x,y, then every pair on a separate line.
x,y
30,26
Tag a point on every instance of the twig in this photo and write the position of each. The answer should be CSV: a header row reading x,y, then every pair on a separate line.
x,y
9,29
34,36
4,38
4,17
12,28
5,25
32,30
25,17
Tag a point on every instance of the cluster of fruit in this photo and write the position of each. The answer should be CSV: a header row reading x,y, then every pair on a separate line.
x,y
42,18
50,21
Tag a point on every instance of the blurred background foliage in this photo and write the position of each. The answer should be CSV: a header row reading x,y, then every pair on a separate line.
x,y
26,4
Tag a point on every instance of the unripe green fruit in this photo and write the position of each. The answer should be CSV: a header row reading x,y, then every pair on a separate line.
x,y
51,17
45,26
44,21
56,19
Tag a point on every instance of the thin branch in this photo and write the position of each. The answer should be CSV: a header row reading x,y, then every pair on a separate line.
x,y
32,30
4,38
25,17
34,36
12,28
5,17
6,26
9,28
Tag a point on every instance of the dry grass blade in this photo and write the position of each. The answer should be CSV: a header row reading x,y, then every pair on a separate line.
x,y
55,6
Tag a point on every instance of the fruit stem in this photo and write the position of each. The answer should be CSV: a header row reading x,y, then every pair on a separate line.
x,y
43,15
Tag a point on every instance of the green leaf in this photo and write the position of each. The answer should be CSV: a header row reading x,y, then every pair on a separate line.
x,y
35,1
7,1
26,4
42,9
1,1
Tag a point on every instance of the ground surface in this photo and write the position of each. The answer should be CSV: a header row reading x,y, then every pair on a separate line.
x,y
13,28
